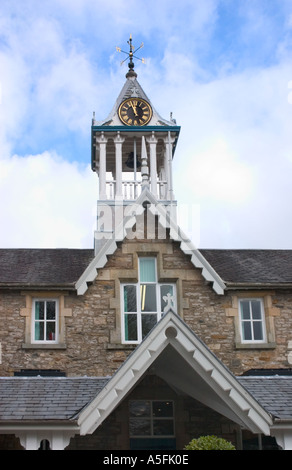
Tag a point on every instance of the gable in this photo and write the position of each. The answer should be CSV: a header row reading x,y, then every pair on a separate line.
x,y
185,363
131,89
167,222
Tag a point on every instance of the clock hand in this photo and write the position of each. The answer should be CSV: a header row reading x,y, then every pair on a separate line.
x,y
134,109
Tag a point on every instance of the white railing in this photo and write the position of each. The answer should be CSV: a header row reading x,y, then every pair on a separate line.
x,y
132,189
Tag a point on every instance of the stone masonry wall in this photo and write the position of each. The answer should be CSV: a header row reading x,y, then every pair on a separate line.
x,y
92,326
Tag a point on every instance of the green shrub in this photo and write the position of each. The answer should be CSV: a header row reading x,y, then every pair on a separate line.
x,y
209,443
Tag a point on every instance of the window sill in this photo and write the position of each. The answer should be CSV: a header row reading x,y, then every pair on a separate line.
x,y
255,345
43,346
121,346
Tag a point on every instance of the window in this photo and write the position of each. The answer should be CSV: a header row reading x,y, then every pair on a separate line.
x,y
144,303
252,320
151,418
44,324
45,316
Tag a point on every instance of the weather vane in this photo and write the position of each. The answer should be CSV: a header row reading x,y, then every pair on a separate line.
x,y
130,54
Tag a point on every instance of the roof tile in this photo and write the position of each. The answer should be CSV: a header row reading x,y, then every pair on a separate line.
x,y
38,398
251,266
50,267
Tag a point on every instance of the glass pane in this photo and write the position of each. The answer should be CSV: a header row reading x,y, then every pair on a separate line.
x,y
131,327
163,427
256,309
140,412
39,310
51,310
50,334
148,298
162,409
258,330
147,270
130,300
39,331
148,321
246,327
140,427
166,298
244,305
140,408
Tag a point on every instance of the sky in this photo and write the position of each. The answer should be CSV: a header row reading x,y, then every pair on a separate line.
x,y
223,68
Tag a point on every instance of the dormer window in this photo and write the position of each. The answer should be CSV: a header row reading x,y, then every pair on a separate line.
x,y
145,302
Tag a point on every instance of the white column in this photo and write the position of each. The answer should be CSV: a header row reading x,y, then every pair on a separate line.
x,y
102,141
153,163
168,165
283,437
118,145
29,440
144,165
61,440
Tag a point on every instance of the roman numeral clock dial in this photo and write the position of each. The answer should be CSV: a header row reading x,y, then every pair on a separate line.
x,y
135,112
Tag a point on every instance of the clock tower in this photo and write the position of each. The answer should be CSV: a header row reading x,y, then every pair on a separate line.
x,y
132,152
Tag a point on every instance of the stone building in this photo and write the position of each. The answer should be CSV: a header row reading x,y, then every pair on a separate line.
x,y
143,341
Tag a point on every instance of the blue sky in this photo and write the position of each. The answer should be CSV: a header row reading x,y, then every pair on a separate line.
x,y
222,67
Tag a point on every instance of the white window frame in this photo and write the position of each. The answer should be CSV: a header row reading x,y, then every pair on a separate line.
x,y
34,320
139,313
250,320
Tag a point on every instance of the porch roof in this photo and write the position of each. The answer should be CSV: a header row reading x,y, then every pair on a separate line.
x,y
274,393
63,398
41,399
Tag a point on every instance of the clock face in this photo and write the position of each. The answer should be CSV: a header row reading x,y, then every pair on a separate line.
x,y
135,112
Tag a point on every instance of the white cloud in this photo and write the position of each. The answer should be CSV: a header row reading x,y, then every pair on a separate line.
x,y
234,157
70,83
235,122
218,175
14,99
46,202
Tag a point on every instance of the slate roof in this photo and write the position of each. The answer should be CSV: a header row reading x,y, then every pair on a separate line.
x,y
43,267
63,267
251,266
273,393
50,398
62,398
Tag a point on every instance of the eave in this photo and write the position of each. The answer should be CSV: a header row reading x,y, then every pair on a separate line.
x,y
17,426
43,287
257,285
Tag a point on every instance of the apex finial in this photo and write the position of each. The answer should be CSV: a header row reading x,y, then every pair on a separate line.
x,y
130,55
